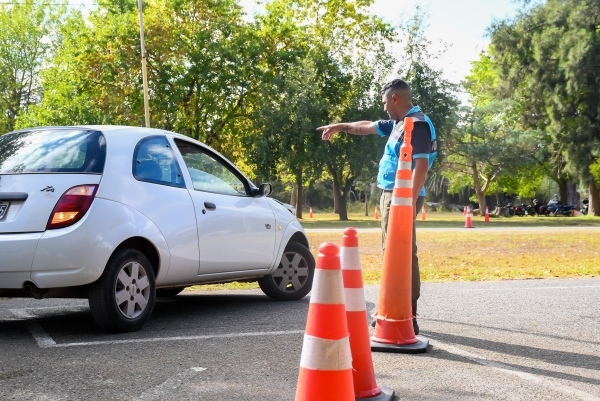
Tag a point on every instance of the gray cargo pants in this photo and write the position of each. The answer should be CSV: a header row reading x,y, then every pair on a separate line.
x,y
384,205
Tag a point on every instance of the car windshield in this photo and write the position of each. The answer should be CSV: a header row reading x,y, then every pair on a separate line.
x,y
52,151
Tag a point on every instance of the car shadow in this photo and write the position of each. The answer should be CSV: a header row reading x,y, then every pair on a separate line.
x,y
185,315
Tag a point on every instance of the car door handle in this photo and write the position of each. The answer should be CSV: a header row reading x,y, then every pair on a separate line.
x,y
210,205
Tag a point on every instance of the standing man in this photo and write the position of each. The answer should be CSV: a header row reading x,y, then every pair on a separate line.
x,y
397,102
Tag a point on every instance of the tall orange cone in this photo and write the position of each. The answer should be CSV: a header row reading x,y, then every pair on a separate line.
x,y
310,213
394,328
376,213
423,216
326,362
468,219
487,215
365,386
464,210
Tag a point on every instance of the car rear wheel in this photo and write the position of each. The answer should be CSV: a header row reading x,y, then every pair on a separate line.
x,y
122,299
293,278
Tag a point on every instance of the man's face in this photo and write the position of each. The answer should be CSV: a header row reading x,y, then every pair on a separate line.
x,y
389,105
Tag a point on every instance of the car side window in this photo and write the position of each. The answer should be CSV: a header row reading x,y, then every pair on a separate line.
x,y
208,173
154,161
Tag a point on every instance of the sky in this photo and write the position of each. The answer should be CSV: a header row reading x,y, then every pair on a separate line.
x,y
459,23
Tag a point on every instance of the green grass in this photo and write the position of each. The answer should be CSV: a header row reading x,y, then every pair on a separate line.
x,y
484,256
448,220
473,255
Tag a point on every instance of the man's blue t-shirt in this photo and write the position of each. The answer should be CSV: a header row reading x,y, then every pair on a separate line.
x,y
421,143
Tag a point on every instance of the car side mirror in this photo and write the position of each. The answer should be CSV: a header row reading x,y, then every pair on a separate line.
x,y
263,190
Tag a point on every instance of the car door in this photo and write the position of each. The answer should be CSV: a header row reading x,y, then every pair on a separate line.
x,y
236,231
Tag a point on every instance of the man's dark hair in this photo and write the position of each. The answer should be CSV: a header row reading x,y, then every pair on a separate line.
x,y
397,86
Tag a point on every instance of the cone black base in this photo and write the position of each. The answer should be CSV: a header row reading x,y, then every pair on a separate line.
x,y
387,394
420,347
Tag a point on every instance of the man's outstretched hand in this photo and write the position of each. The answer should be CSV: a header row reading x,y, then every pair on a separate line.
x,y
329,131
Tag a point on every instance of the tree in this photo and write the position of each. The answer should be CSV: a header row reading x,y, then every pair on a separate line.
x,y
341,69
206,66
431,91
483,147
27,38
549,56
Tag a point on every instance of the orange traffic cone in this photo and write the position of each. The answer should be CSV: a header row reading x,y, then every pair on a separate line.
x,y
376,213
487,215
574,212
394,328
468,221
365,386
326,362
310,213
423,216
464,210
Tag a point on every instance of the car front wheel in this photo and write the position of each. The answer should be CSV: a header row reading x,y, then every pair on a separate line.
x,y
122,299
294,275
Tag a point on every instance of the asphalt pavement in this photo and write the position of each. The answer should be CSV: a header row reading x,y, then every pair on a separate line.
x,y
508,340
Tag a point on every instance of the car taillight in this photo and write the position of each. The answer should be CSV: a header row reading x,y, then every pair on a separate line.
x,y
72,206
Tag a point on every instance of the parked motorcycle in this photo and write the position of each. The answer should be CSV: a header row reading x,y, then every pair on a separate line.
x,y
556,207
520,210
586,206
530,210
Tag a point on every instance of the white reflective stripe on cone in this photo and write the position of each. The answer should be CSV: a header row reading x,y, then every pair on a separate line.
x,y
404,165
355,299
350,258
328,287
403,184
401,201
321,354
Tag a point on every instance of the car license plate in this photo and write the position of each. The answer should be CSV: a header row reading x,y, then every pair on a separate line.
x,y
3,208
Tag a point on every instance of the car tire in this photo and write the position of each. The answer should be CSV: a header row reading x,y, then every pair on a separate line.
x,y
168,292
293,278
122,299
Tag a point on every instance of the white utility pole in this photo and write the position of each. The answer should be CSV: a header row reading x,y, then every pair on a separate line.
x,y
144,73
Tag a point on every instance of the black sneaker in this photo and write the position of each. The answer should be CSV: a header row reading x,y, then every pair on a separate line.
x,y
415,326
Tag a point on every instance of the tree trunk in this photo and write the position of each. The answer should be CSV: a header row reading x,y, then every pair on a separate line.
x,y
366,203
299,193
294,195
337,197
478,191
594,199
562,191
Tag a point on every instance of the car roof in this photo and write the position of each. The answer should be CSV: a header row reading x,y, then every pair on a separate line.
x,y
115,131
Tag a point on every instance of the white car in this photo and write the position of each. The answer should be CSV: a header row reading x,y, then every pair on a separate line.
x,y
120,215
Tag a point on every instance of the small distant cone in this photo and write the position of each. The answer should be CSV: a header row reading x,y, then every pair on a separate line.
x,y
365,386
468,221
423,216
464,210
326,361
574,212
376,213
310,213
487,215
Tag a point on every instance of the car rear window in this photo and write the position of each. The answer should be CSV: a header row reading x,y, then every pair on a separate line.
x,y
52,151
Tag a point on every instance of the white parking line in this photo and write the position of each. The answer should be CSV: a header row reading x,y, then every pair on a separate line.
x,y
43,339
180,338
160,392
547,383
